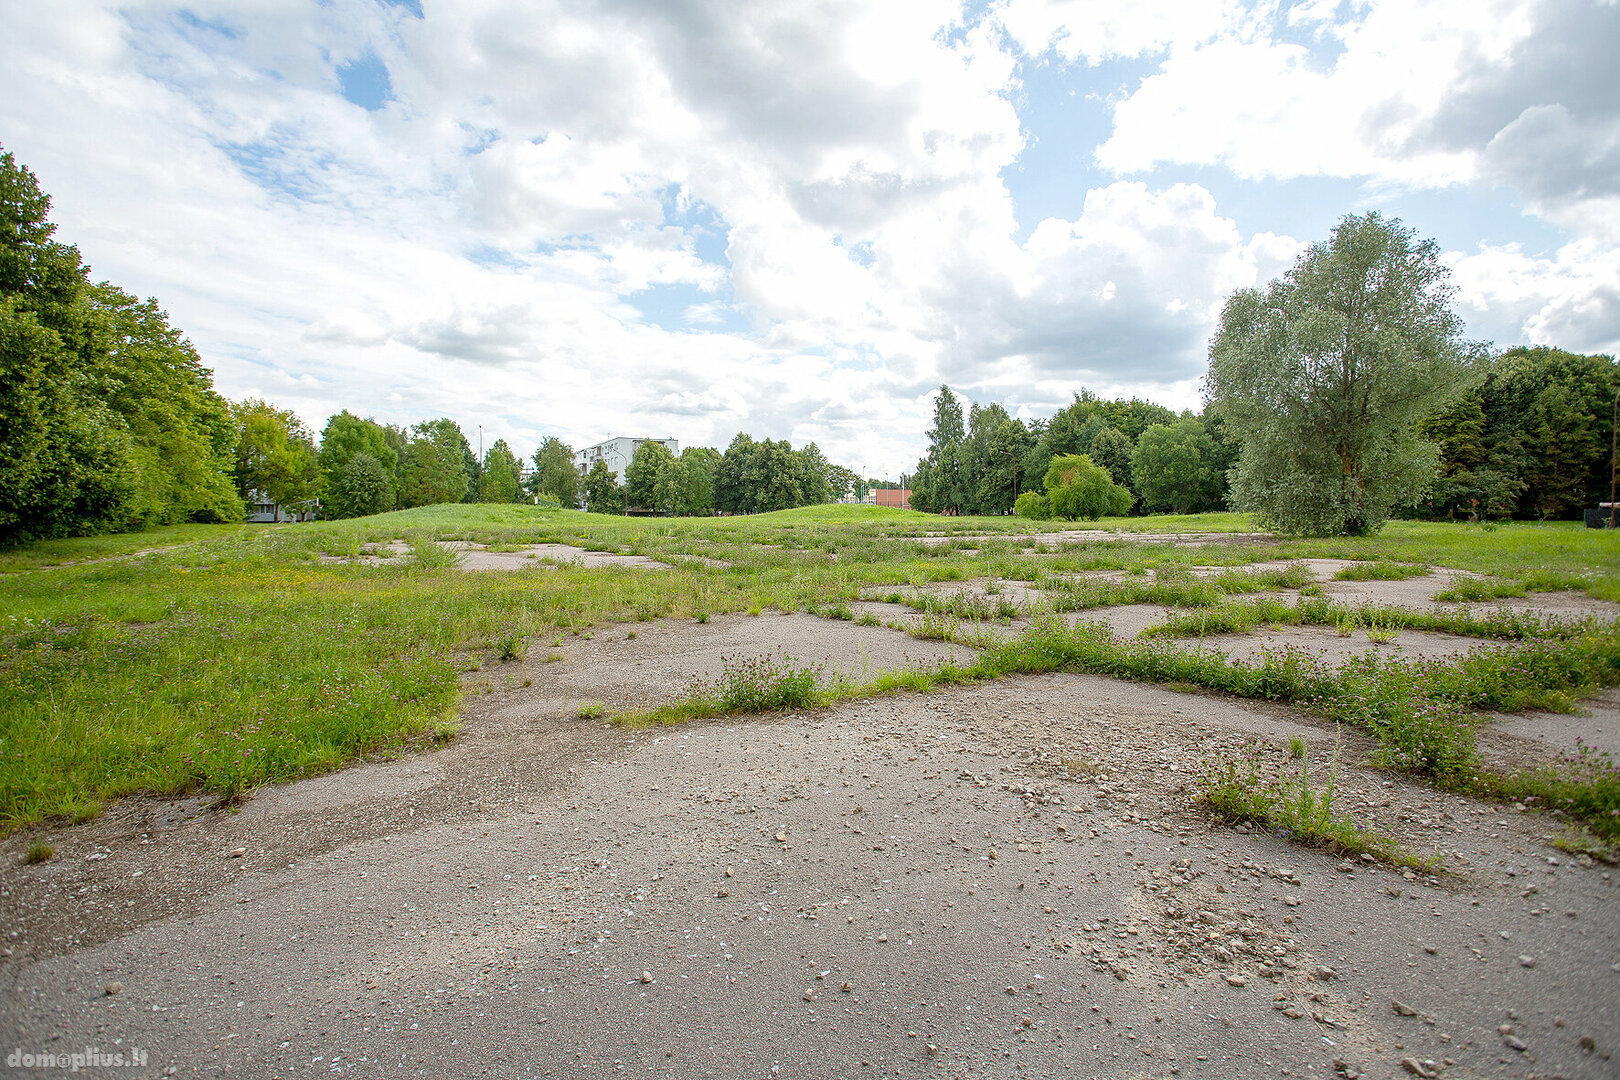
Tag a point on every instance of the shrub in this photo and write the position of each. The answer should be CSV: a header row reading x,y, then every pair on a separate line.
x,y
1034,506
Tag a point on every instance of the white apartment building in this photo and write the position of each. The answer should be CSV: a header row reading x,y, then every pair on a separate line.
x,y
618,453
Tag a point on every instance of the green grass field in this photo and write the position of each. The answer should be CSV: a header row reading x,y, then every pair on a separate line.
x,y
232,656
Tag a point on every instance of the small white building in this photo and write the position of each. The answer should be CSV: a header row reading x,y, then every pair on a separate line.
x,y
618,453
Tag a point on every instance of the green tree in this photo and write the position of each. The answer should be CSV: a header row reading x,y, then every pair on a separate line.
x,y
555,476
937,488
1175,470
434,469
999,478
845,483
669,486
346,435
108,420
1112,449
732,495
501,474
775,476
813,468
701,463
275,455
1325,376
603,495
641,476
362,488
1077,487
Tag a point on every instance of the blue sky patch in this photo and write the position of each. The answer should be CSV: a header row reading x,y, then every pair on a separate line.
x,y
365,82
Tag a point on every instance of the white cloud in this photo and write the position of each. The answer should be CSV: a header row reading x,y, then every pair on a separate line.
x,y
484,244
1570,299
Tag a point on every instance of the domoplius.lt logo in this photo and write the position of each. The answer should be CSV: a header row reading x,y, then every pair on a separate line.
x,y
90,1057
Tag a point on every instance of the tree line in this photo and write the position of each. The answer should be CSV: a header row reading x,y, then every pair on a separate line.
x,y
109,421
1339,396
990,462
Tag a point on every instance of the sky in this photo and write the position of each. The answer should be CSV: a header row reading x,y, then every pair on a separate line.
x,y
690,218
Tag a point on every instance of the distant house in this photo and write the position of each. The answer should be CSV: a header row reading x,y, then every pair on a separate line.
x,y
618,453
899,498
261,509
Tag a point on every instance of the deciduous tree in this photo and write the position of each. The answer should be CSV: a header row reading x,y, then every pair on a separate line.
x,y
1326,375
603,495
555,476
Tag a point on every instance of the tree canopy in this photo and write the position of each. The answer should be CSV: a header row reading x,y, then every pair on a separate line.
x,y
108,419
1326,375
554,476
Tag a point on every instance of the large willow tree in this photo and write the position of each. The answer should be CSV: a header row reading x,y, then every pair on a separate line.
x,y
1326,376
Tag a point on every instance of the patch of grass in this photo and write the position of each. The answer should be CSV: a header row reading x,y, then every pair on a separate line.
x,y
512,647
44,554
429,554
1240,616
1381,570
38,853
1579,841
1283,800
591,710
1229,618
752,684
1473,590
1584,785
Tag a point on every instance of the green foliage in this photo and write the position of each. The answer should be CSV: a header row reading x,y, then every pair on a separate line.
x,y
1112,449
275,455
498,479
603,495
1033,506
1326,375
346,435
437,466
1078,488
760,477
361,488
555,477
938,487
108,419
1175,468
1284,800
641,476
699,465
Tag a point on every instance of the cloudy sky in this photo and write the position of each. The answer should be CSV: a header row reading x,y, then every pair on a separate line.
x,y
691,217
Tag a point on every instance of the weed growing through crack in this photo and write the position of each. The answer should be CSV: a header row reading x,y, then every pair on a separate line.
x,y
1474,589
1283,799
1381,570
